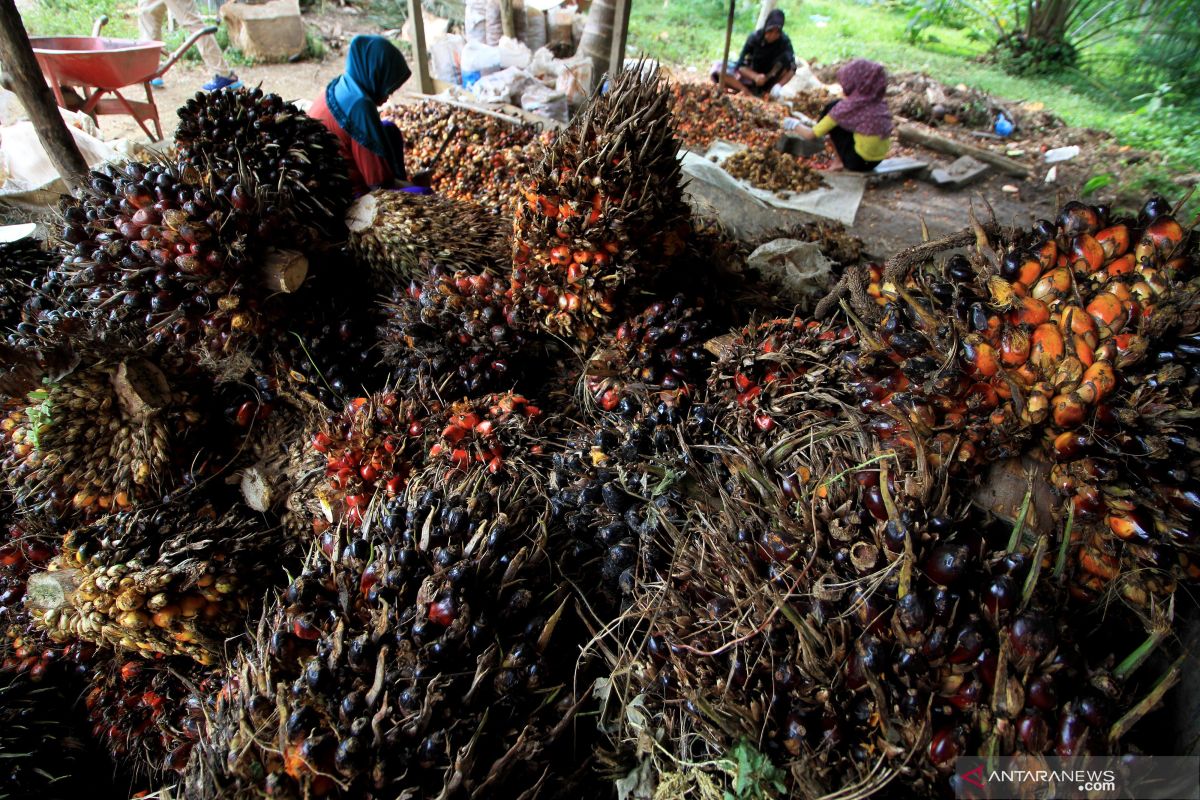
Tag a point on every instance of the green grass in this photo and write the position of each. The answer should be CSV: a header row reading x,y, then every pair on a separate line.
x,y
692,32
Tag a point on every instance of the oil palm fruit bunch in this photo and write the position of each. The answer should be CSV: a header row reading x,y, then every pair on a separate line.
x,y
400,236
603,208
485,158
290,154
44,749
452,335
433,653
176,579
107,436
169,253
23,265
148,712
661,347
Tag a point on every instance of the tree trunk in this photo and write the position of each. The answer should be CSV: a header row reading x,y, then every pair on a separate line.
x,y
764,9
596,42
24,74
507,25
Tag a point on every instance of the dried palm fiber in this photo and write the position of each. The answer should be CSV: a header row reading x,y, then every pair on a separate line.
x,y
604,208
400,236
660,347
431,652
178,578
452,335
293,156
108,432
148,713
485,158
175,254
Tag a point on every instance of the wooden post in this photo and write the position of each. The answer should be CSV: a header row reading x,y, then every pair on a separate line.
x,y
616,59
416,16
909,134
24,77
507,25
728,40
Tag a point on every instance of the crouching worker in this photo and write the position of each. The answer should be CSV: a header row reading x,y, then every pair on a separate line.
x,y
859,125
349,108
766,61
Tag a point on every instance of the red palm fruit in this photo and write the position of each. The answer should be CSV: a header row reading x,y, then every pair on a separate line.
x,y
981,356
1083,349
1087,254
1098,381
1109,313
1047,347
1076,218
1030,270
1047,253
1052,285
1014,347
1029,311
1069,410
1130,525
1075,320
1119,266
1115,240
1159,240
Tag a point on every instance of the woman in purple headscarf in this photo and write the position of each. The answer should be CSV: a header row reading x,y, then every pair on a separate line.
x,y
859,125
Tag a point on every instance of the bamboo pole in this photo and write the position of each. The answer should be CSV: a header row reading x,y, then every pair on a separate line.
x,y
728,41
25,78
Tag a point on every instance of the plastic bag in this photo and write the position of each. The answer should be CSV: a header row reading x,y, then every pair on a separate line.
x,y
28,173
475,24
797,267
495,25
542,100
513,54
575,79
480,58
544,64
444,58
502,86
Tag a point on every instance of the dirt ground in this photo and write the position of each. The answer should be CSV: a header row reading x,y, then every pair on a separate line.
x,y
888,219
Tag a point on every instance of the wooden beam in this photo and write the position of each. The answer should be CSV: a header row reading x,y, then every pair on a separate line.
x,y
417,17
616,59
728,41
910,134
25,78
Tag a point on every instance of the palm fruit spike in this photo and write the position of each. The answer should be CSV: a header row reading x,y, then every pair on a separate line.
x,y
148,713
452,335
485,159
237,131
604,207
56,460
168,253
176,580
433,654
400,236
661,347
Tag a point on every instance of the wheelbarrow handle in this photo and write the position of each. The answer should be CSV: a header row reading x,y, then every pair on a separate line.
x,y
183,48
101,21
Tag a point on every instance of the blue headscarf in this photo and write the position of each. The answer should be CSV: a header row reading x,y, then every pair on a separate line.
x,y
374,69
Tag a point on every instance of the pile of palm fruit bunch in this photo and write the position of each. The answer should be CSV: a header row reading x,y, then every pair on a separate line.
x,y
427,647
485,159
856,608
767,168
527,503
576,245
704,114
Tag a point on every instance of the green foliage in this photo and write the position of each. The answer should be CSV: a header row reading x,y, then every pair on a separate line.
x,y
754,776
39,415
1095,183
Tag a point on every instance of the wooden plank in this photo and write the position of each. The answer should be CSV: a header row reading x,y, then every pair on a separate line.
x,y
616,59
25,77
910,134
420,54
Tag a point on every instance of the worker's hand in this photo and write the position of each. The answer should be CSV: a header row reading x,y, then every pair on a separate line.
x,y
760,79
424,178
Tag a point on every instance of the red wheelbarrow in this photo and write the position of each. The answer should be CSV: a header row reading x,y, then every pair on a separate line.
x,y
102,67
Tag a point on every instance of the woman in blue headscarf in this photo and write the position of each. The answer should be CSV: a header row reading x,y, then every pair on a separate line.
x,y
349,108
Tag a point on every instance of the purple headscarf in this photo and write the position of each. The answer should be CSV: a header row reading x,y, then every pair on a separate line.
x,y
863,109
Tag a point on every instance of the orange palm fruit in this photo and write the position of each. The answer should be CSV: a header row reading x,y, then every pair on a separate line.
x,y
1098,381
1069,410
1047,347
1028,311
981,356
1114,239
1122,265
1159,240
1014,346
1108,312
1087,254
1055,283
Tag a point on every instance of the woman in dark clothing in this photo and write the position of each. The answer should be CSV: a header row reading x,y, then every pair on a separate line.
x,y
766,61
860,124
349,108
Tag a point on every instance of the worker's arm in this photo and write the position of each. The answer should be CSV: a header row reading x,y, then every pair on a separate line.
x,y
823,127
373,168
